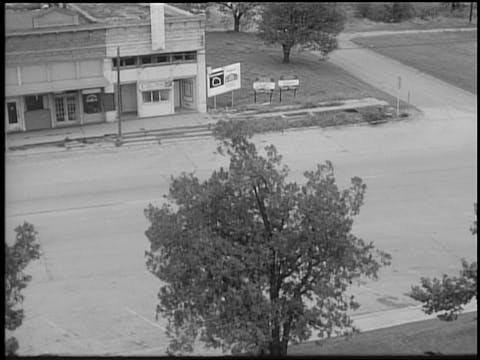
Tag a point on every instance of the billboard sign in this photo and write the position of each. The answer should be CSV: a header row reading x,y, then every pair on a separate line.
x,y
223,79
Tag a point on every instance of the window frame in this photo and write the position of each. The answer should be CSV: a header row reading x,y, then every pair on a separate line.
x,y
169,59
156,96
37,102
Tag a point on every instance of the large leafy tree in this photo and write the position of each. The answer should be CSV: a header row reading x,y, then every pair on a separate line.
x,y
252,262
310,25
448,294
17,257
238,10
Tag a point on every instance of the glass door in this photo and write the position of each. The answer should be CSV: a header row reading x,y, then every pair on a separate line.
x,y
12,116
66,108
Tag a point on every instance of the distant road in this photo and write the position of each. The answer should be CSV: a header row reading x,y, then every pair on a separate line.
x,y
436,98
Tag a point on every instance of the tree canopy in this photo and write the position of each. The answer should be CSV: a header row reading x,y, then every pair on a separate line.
x,y
17,257
449,294
310,25
251,262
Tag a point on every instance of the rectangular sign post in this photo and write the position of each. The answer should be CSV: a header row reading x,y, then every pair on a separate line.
x,y
263,85
288,83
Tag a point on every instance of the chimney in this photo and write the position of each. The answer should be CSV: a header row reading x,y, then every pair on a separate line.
x,y
157,25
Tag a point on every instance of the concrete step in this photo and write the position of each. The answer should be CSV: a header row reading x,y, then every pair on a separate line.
x,y
179,129
186,134
157,139
74,145
140,139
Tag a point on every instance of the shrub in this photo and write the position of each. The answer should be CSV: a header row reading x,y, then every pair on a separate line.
x,y
372,114
363,10
386,12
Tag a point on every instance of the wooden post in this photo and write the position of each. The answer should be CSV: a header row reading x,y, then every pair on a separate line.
x,y
215,102
119,98
398,94
471,13
280,94
232,99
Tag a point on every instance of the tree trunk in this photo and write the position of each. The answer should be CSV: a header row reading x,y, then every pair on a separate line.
x,y
236,22
276,345
286,54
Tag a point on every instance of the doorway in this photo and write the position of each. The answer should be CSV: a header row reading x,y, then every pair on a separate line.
x,y
66,108
12,119
12,113
183,94
129,98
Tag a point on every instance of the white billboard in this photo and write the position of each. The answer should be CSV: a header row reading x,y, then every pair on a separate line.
x,y
223,79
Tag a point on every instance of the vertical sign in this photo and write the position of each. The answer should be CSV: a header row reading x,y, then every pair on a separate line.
x,y
157,25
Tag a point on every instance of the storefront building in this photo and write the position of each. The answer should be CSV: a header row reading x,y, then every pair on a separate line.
x,y
62,71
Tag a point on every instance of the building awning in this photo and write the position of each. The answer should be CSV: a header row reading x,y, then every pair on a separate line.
x,y
55,86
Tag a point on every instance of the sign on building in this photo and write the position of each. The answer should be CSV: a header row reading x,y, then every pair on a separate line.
x,y
223,79
155,85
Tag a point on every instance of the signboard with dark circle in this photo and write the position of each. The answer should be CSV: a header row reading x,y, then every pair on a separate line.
x,y
216,79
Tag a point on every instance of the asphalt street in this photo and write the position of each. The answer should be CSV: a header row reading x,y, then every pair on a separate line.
x,y
91,293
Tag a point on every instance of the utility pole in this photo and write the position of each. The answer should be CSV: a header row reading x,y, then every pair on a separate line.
x,y
119,100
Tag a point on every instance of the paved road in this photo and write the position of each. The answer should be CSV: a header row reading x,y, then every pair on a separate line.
x,y
91,293
437,99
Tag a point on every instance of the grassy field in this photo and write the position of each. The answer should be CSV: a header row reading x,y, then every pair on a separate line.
x,y
440,22
448,338
451,57
319,80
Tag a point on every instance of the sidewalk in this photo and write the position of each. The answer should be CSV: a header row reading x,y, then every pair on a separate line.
x,y
108,131
388,318
365,322
102,129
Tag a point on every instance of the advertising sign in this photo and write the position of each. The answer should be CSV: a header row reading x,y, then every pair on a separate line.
x,y
155,85
223,79
264,84
288,82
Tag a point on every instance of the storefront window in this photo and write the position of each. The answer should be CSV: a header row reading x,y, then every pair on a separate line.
x,y
155,96
34,102
164,95
91,103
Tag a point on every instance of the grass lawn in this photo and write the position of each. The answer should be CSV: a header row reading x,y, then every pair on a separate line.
x,y
435,16
451,57
440,22
456,337
319,80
